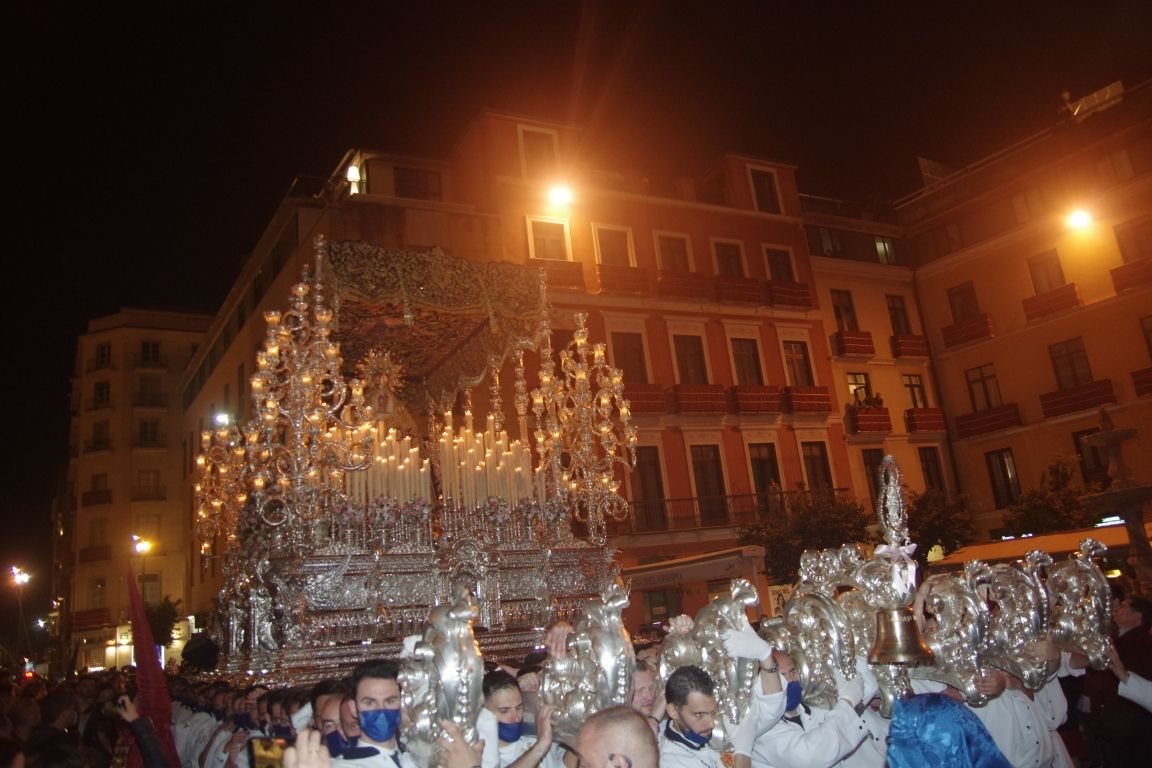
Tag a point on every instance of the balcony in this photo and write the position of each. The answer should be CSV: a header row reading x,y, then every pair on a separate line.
x,y
615,279
149,441
973,329
807,400
1051,302
100,444
871,420
95,554
990,420
699,398
92,498
1080,398
908,345
739,290
96,364
1132,275
854,344
783,294
646,398
664,515
752,399
90,619
560,274
684,285
148,493
924,420
150,400
1142,381
150,363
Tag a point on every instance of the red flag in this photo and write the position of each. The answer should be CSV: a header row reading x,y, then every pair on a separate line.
x,y
151,685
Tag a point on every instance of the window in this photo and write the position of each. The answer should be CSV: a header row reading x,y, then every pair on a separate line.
x,y
673,251
831,244
1135,239
873,459
149,588
885,252
662,604
647,489
859,388
746,362
101,394
691,367
614,246
417,183
1070,363
962,300
100,438
628,356
1028,205
764,190
1114,167
537,153
845,310
147,527
816,468
548,239
100,482
914,386
729,258
151,392
708,475
931,469
148,486
97,592
97,531
779,263
765,471
898,315
148,432
983,388
1002,475
797,364
1046,272
150,352
103,356
1093,459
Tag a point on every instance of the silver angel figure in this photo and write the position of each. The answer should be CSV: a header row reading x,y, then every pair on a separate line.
x,y
1018,619
732,677
458,662
418,697
1080,604
955,621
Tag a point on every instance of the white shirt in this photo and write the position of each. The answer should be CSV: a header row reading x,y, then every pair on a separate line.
x,y
1137,689
382,759
823,738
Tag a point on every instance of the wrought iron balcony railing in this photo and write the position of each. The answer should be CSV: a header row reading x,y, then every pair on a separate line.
x,y
660,515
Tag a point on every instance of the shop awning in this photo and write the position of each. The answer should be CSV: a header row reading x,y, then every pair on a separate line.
x,y
746,562
1055,544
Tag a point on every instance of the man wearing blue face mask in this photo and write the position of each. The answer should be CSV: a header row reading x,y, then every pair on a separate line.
x,y
690,697
501,726
377,706
813,737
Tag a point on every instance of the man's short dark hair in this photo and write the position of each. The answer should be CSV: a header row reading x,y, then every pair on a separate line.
x,y
378,668
327,687
498,680
686,680
624,738
1142,606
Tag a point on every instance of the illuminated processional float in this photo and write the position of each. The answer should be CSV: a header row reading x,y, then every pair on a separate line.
x,y
344,536
341,523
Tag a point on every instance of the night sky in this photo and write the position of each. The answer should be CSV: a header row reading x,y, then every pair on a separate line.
x,y
146,149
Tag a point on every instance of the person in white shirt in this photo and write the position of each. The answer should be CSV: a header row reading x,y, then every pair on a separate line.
x,y
501,725
377,706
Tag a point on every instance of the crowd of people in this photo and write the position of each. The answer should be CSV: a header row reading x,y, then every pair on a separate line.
x,y
94,720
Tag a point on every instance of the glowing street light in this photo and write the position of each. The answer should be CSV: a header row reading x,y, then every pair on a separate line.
x,y
20,577
1079,219
142,547
560,195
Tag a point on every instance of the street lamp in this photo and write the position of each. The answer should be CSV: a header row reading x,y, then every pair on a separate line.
x,y
142,547
20,577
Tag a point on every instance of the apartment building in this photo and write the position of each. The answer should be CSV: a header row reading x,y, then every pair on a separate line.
x,y
124,512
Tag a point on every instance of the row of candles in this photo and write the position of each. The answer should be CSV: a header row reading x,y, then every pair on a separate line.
x,y
475,465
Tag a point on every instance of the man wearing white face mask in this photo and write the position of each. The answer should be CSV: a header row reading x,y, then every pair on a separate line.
x,y
377,706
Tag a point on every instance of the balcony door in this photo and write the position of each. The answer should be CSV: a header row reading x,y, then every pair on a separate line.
x,y
708,474
648,490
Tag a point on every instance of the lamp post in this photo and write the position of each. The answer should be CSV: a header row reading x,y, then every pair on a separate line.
x,y
142,547
20,577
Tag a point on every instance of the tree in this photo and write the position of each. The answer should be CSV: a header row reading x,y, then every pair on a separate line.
x,y
933,519
812,521
162,618
1055,506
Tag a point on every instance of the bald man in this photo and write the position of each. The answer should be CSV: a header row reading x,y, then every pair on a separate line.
x,y
617,737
